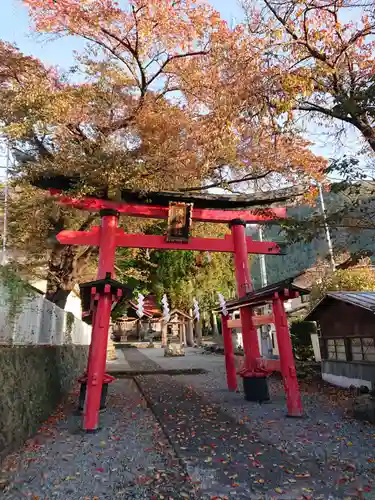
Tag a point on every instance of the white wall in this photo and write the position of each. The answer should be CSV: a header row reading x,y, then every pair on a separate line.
x,y
73,303
31,319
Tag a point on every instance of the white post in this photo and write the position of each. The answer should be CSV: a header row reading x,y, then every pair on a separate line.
x,y
326,229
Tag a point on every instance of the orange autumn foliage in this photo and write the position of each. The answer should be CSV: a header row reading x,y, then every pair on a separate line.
x,y
169,96
324,56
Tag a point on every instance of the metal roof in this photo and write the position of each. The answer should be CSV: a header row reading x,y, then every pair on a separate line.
x,y
365,300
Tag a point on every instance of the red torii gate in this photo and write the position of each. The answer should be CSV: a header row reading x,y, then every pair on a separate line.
x,y
276,294
109,236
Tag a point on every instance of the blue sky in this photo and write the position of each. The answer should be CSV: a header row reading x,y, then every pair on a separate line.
x,y
14,28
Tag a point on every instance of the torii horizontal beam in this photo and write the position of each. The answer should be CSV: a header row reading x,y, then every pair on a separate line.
x,y
260,320
92,238
160,212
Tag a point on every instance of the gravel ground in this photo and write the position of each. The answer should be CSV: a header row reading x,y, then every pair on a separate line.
x,y
335,453
218,445
129,458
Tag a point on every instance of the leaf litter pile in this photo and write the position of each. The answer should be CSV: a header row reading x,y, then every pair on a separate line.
x,y
218,446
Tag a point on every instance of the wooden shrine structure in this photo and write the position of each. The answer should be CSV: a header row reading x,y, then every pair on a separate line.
x,y
180,210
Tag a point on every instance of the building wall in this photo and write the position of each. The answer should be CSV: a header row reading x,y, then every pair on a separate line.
x,y
346,374
73,302
33,320
338,319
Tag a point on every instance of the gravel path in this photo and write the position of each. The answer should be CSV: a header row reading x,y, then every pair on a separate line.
x,y
323,455
128,459
217,445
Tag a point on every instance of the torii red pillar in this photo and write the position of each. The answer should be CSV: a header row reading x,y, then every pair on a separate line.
x,y
287,365
244,285
99,338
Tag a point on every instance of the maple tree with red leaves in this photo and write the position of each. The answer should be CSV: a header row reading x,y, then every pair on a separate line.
x,y
167,96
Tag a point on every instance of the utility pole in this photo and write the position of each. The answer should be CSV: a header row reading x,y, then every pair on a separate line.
x,y
263,269
326,229
5,216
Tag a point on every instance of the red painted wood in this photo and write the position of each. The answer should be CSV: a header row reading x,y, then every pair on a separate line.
x,y
257,320
271,365
85,238
287,365
159,212
106,236
229,355
244,285
154,241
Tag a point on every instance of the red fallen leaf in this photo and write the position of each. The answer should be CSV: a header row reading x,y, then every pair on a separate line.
x,y
99,469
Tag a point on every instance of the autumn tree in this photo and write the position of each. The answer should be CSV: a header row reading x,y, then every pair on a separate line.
x,y
322,52
354,279
160,102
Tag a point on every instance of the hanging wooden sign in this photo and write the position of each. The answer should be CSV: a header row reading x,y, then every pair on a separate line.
x,y
179,222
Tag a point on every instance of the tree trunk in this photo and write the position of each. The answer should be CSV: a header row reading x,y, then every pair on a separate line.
x,y
190,331
368,132
198,332
215,330
163,334
189,334
64,267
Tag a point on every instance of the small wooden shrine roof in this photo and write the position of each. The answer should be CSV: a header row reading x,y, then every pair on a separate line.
x,y
264,295
163,198
180,313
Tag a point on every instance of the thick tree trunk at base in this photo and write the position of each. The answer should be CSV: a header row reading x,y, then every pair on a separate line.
x,y
198,333
189,334
58,297
64,268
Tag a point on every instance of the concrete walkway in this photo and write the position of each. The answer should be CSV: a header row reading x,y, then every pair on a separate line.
x,y
119,364
185,436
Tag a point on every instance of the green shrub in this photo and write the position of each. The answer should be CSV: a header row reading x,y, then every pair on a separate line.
x,y
300,333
